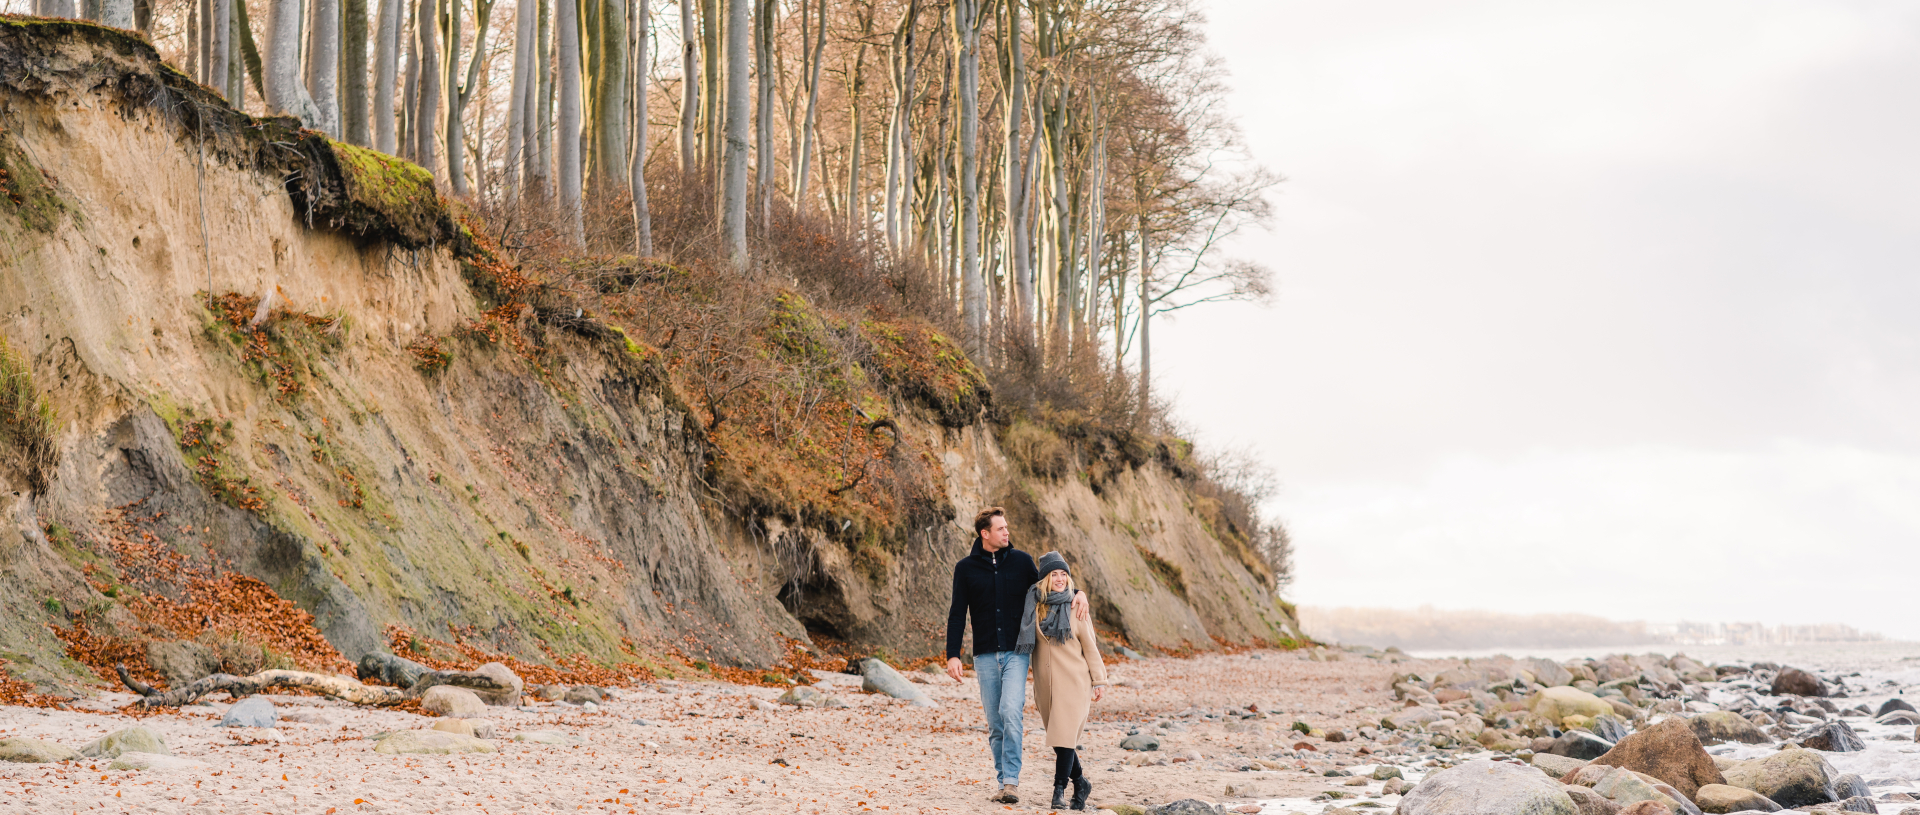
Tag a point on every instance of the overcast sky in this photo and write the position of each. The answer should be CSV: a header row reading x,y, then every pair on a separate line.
x,y
1600,307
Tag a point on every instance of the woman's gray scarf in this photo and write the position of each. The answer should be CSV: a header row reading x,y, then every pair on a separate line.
x,y
1058,626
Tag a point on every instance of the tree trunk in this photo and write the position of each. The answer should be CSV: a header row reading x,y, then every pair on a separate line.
x,y
733,201
522,94
237,37
410,95
567,25
637,161
543,39
610,100
323,65
426,113
966,46
1018,262
710,77
899,124
284,92
689,90
117,13
353,70
220,48
386,69
456,124
1146,317
764,161
813,99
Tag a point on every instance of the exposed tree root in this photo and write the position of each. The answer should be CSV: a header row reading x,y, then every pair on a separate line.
x,y
489,684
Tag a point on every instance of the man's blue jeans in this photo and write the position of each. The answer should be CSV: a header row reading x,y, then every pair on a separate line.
x,y
1003,694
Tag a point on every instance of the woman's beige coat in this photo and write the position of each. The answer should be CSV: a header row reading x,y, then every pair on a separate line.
x,y
1063,680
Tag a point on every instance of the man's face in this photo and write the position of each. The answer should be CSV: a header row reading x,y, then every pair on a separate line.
x,y
997,534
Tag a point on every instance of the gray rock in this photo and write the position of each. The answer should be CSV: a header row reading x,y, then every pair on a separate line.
x,y
182,661
156,763
448,700
806,696
35,751
1891,705
1722,726
252,711
431,742
1482,787
130,740
1386,771
1141,742
582,694
1834,737
547,693
1851,786
1129,653
1410,718
878,676
1859,804
1547,672
1723,798
1590,802
1557,765
1186,806
1796,682
399,672
1898,717
1609,728
1791,778
1580,744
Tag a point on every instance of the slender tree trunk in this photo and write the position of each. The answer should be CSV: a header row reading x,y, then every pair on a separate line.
x,y
611,99
689,90
1146,319
285,94
237,35
426,115
220,50
763,162
522,94
733,201
545,73
456,126
323,64
117,13
386,65
710,77
353,72
637,161
813,99
1018,265
966,45
143,15
567,24
410,95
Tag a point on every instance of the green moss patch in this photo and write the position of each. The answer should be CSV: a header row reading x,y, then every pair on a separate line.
x,y
388,197
27,192
928,367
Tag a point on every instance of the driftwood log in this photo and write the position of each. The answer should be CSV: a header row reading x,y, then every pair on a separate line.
x,y
493,683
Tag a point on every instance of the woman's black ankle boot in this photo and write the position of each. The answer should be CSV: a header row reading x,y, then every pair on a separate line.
x,y
1059,797
1081,789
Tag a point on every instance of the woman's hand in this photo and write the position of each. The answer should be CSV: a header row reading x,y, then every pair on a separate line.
x,y
1099,691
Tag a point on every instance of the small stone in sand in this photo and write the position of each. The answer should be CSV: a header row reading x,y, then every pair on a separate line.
x,y
154,762
251,712
545,737
130,740
35,751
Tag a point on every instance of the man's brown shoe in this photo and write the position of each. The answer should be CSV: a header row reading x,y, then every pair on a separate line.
x,y
1008,794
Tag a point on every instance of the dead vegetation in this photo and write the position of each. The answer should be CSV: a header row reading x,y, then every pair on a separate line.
x,y
27,423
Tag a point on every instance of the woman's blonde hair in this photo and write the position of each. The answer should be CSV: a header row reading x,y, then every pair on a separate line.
x,y
1041,612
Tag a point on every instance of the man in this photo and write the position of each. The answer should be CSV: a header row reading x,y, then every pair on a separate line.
x,y
991,584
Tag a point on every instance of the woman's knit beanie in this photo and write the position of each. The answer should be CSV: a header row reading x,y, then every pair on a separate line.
x,y
1051,561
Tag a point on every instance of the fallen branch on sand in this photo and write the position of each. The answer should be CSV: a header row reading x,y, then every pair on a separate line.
x,y
493,682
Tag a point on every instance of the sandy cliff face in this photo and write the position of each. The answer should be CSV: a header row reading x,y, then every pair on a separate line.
x,y
384,447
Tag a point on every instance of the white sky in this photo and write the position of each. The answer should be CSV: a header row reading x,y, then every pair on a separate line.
x,y
1600,307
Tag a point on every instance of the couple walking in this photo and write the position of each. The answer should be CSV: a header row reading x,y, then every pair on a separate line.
x,y
1026,613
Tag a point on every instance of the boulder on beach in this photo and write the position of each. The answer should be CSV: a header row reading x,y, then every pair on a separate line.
x,y
397,671
1623,787
494,683
1141,742
806,696
1590,802
1647,808
1478,787
1796,682
252,711
431,742
879,677
1851,786
448,700
1547,672
1720,726
1410,718
1834,737
1891,705
156,763
582,694
477,728
1898,717
1791,778
1185,806
130,740
1609,728
1556,704
1580,745
1721,799
34,751
1557,766
1667,751
1859,803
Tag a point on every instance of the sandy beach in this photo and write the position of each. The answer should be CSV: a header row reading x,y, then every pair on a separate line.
x,y
715,747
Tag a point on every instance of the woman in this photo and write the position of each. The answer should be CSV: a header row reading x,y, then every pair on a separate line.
x,y
1068,676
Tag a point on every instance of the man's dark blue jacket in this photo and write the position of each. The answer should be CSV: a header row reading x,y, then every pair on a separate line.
x,y
993,587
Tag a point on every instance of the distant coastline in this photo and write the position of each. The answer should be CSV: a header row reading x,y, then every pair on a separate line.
x,y
1431,629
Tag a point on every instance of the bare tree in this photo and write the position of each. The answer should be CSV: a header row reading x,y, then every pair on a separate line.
x,y
637,160
353,70
284,93
386,69
323,64
567,26
733,183
966,46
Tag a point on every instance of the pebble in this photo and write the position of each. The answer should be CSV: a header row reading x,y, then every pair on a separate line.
x,y
252,711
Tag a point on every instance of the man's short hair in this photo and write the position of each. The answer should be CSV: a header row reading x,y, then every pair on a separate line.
x,y
984,521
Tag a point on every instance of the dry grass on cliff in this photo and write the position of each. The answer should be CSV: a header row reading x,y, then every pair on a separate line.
x,y
27,423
